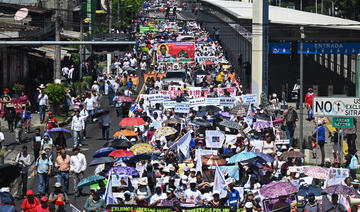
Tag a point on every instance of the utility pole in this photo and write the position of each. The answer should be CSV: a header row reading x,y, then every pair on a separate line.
x,y
118,9
301,136
108,56
57,38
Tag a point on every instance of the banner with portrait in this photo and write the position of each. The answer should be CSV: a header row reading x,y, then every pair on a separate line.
x,y
175,52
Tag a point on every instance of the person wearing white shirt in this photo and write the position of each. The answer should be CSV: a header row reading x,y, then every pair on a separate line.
x,y
43,102
77,168
157,197
90,104
95,87
133,62
105,121
85,116
23,161
77,125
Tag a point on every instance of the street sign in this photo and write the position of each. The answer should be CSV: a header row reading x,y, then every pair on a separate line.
x,y
280,47
330,48
336,106
343,122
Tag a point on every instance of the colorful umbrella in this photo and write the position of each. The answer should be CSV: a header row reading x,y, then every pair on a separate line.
x,y
125,99
201,122
88,181
103,152
123,170
201,39
132,121
316,172
119,144
101,160
142,148
141,157
277,121
341,189
242,157
292,154
230,124
260,125
212,160
164,131
277,189
121,153
265,157
126,133
54,132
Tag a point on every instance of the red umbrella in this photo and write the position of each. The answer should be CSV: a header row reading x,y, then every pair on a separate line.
x,y
208,63
120,153
132,121
125,99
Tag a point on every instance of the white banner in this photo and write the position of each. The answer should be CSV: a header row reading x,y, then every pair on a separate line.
x,y
153,97
336,106
182,108
249,98
282,142
201,152
212,101
169,104
214,138
201,59
197,102
227,101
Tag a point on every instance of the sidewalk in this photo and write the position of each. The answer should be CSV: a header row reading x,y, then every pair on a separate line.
x,y
35,122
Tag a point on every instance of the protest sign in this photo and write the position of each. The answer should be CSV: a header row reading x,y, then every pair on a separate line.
x,y
282,141
119,180
169,104
137,208
336,176
227,101
201,152
201,59
182,108
214,138
153,97
212,101
249,98
175,52
197,102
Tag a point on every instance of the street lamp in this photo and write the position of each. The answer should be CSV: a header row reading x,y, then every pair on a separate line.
x,y
301,136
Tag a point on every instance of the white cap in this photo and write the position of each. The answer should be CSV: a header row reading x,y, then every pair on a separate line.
x,y
154,162
172,168
328,160
133,139
192,170
193,180
166,169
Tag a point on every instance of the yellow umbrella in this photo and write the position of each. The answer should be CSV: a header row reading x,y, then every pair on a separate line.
x,y
142,148
124,133
164,131
226,66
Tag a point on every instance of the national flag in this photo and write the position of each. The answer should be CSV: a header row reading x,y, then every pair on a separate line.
x,y
219,182
109,198
183,145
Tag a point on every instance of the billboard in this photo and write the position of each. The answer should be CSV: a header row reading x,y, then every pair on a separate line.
x,y
175,52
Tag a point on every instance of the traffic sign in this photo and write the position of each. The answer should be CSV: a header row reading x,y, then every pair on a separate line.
x,y
343,122
330,48
336,106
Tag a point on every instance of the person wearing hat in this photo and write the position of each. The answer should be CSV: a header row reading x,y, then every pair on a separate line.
x,y
215,202
94,203
30,202
320,135
249,204
43,103
46,142
77,126
58,197
192,195
43,167
312,205
51,122
128,199
44,205
95,87
158,196
142,193
77,168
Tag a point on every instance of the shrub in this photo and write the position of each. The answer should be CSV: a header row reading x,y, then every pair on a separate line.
x,y
17,88
56,93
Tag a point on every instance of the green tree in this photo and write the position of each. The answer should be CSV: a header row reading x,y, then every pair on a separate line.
x,y
128,10
349,9
56,94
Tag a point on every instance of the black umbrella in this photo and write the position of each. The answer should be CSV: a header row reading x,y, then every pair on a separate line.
x,y
227,155
145,156
101,160
202,122
230,124
123,144
12,172
262,116
210,108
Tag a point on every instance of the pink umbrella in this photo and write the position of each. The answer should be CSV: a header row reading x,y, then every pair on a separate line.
x,y
200,39
277,121
260,125
316,172
179,38
277,189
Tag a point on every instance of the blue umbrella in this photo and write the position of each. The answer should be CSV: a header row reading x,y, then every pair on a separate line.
x,y
7,208
103,152
242,157
90,181
54,132
101,160
265,157
307,189
145,156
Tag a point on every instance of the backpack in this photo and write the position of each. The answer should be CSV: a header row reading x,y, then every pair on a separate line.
x,y
354,163
290,117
